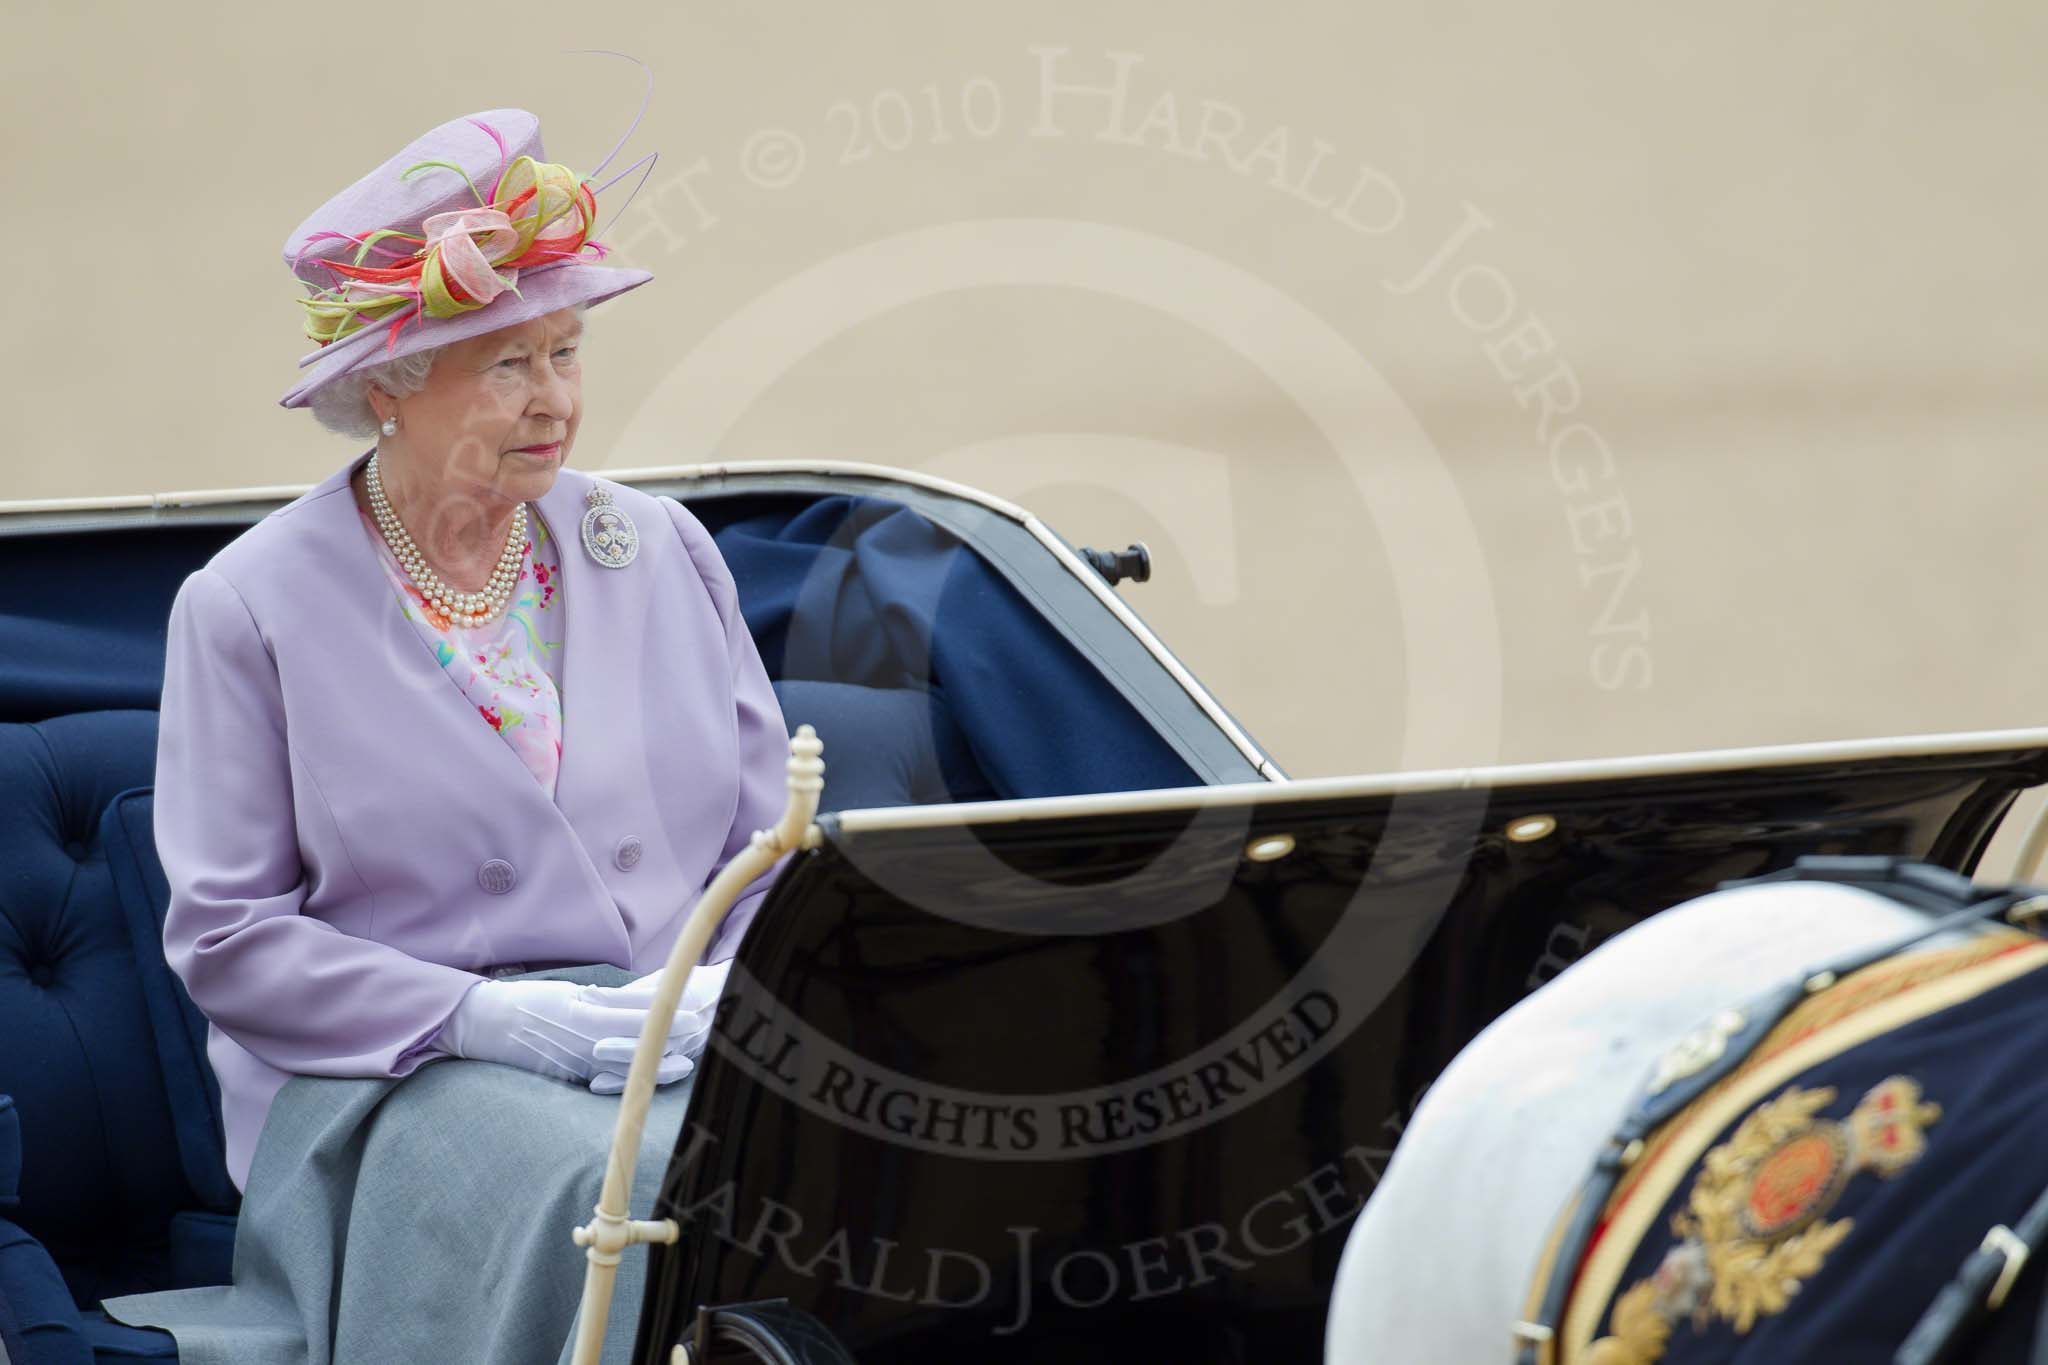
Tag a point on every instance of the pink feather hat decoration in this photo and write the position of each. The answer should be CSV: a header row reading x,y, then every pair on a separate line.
x,y
466,230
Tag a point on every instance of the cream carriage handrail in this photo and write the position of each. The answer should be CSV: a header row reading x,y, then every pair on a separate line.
x,y
610,1232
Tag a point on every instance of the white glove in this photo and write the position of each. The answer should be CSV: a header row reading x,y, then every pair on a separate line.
x,y
688,1033
700,993
555,1028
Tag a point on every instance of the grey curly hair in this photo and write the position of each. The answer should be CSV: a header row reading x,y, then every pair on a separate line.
x,y
343,406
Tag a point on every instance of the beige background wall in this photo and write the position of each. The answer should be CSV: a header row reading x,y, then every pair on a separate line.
x,y
1785,263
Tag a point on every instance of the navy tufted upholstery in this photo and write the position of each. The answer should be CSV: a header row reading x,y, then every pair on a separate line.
x,y
10,1155
107,1201
128,838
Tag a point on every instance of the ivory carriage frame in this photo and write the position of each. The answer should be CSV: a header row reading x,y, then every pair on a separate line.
x,y
246,505
962,510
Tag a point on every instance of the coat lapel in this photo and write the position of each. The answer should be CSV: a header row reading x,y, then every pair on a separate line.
x,y
593,599
407,649
632,771
598,684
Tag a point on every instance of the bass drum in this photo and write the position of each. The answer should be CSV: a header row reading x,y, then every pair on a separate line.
x,y
1842,1165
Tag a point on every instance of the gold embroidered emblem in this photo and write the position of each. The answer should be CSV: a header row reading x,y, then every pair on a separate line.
x,y
1755,1225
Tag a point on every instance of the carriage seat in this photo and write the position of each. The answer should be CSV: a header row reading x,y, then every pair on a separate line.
x,y
113,1176
100,1193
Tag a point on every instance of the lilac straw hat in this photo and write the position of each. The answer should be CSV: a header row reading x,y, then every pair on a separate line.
x,y
466,230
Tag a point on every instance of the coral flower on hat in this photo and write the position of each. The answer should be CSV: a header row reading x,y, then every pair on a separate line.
x,y
415,253
458,259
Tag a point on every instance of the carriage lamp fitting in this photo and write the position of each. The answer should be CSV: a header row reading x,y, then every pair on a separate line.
x,y
1269,847
1117,565
1530,828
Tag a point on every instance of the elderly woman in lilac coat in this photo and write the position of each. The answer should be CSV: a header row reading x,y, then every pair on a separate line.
x,y
460,711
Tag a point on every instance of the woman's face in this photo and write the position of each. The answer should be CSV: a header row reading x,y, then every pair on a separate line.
x,y
489,401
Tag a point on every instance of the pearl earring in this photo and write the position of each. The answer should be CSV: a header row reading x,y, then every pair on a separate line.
x,y
390,427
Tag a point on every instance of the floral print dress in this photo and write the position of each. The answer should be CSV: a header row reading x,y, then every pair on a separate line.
x,y
510,669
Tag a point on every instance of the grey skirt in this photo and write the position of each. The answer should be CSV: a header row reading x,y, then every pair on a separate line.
x,y
423,1219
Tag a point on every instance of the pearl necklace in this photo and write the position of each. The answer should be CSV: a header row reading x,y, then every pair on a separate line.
x,y
466,609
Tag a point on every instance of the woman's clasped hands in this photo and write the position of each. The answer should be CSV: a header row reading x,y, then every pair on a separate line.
x,y
585,1034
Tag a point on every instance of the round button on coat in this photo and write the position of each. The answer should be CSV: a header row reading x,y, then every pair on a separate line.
x,y
496,876
627,854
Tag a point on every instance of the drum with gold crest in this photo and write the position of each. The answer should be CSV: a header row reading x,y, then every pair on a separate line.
x,y
1824,1161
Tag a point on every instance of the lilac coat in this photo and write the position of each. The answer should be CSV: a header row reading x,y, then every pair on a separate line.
x,y
348,843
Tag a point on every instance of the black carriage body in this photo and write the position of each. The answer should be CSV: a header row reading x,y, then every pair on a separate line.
x,y
1081,1080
